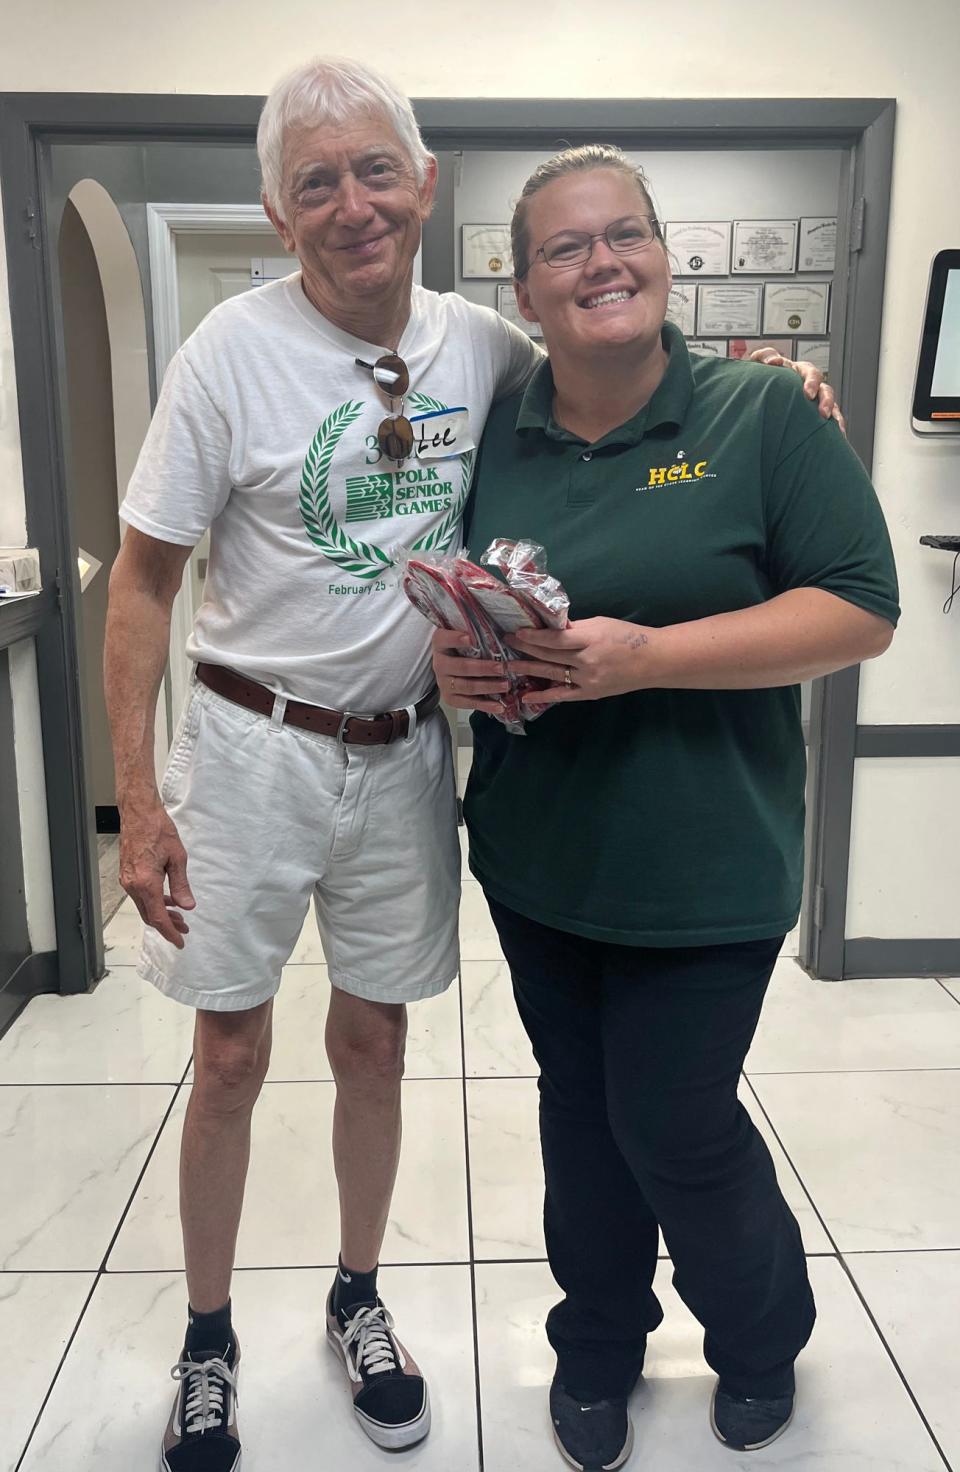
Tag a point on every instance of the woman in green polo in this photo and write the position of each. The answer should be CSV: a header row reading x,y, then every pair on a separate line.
x,y
641,847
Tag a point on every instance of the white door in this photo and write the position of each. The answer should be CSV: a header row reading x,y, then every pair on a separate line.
x,y
211,265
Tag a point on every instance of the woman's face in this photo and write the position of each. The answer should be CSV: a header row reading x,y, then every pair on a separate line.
x,y
609,300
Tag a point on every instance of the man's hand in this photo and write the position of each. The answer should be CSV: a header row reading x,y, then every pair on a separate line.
x,y
813,382
150,854
466,684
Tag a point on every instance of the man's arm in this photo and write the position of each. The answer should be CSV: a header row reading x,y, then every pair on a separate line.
x,y
145,580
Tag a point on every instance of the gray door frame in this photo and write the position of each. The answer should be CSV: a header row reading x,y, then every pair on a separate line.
x,y
31,122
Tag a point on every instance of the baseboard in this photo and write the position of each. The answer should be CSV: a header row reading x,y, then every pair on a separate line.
x,y
868,956
36,974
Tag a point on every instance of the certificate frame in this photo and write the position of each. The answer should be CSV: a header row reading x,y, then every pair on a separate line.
x,y
480,246
816,351
507,307
682,307
703,241
817,246
729,309
742,347
806,316
764,247
708,347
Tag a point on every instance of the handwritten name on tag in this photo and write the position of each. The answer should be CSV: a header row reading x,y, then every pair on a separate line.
x,y
441,435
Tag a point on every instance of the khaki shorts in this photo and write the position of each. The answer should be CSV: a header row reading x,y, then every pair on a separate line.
x,y
271,815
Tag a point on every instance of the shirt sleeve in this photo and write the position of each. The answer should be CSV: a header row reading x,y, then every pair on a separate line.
x,y
519,359
181,481
825,528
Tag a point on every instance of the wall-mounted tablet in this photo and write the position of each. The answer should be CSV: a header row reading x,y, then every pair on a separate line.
x,y
936,399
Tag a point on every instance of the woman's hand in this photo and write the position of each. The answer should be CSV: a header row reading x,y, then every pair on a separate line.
x,y
589,660
813,381
466,684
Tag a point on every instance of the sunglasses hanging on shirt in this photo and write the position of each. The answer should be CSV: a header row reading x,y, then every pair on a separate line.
x,y
392,377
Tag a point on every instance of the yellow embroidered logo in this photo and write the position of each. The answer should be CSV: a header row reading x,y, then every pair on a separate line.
x,y
682,469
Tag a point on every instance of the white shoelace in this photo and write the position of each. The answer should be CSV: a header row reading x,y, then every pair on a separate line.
x,y
205,1399
374,1347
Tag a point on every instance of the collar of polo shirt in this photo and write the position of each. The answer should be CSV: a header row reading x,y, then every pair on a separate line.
x,y
668,407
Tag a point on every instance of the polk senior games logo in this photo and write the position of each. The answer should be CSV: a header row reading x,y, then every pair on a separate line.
x,y
409,490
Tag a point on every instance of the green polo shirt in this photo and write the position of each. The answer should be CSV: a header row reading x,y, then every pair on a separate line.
x,y
667,817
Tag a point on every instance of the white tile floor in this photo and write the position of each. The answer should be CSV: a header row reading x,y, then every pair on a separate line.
x,y
856,1087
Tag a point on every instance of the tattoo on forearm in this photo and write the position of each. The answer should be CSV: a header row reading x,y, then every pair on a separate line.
x,y
635,641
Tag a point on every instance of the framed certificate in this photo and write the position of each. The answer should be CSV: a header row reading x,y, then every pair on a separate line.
x,y
726,310
701,247
818,243
742,347
485,251
708,347
764,247
682,308
507,307
796,308
817,353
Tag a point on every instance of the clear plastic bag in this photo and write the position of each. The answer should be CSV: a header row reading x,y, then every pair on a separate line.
x,y
454,593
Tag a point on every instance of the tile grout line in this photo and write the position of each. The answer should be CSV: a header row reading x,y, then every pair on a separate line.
x,y
853,1283
101,1271
943,987
470,1237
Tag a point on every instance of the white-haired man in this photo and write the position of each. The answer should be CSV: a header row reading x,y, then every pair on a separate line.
x,y
314,426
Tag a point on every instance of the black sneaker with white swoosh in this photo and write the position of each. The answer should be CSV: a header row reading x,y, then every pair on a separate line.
x,y
596,1437
202,1435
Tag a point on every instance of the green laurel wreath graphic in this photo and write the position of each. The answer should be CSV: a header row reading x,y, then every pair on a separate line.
x,y
363,559
440,538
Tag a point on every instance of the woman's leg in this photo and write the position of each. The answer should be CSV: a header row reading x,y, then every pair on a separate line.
x,y
601,1235
677,1025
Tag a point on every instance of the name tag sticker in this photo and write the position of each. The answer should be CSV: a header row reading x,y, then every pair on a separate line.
x,y
442,435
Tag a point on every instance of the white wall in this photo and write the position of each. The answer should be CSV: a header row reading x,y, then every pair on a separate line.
x,y
870,48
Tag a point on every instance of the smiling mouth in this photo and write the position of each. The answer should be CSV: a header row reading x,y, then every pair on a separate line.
x,y
606,299
364,247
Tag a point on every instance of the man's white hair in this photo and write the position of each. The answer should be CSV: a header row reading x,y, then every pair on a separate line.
x,y
331,89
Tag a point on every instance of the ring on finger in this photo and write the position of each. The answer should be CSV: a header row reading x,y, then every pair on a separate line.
x,y
567,676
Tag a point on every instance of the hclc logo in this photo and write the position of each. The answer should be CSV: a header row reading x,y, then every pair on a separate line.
x,y
662,475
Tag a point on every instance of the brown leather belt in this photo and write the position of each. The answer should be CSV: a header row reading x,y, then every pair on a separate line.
x,y
378,730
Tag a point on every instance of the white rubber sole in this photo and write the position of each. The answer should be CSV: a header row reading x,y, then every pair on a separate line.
x,y
755,1446
390,1438
608,1466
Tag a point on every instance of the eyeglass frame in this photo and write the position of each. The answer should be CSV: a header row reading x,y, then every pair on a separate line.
x,y
657,234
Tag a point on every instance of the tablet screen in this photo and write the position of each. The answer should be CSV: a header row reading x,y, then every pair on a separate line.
x,y
946,366
936,400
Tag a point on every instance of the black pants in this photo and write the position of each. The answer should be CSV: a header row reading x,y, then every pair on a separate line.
x,y
640,1052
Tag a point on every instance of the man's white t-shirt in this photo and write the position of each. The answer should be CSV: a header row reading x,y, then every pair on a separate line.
x,y
265,432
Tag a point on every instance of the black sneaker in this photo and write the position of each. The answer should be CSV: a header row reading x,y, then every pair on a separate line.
x,y
747,1423
389,1393
201,1435
595,1437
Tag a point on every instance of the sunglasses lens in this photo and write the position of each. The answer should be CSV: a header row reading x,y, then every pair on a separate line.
x,y
395,437
390,374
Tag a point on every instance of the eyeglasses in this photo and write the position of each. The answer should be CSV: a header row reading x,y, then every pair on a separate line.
x,y
573,247
392,376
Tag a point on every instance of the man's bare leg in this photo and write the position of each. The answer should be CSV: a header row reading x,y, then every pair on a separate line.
x,y
365,1045
231,1054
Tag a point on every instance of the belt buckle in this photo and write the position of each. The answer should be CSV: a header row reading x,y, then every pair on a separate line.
x,y
347,716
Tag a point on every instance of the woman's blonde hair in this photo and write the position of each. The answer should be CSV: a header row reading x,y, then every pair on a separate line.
x,y
571,161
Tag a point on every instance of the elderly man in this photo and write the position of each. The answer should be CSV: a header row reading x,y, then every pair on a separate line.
x,y
314,426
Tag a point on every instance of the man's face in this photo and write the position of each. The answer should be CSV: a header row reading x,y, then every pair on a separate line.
x,y
353,212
